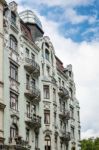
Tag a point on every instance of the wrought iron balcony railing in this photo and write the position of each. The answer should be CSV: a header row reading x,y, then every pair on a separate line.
x,y
33,120
32,93
32,67
65,114
63,92
65,136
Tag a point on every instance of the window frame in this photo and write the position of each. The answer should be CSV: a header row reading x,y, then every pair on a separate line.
x,y
14,97
46,91
13,71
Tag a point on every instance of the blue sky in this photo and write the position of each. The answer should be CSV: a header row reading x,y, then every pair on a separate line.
x,y
73,27
79,22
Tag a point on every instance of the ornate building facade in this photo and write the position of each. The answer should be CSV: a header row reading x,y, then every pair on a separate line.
x,y
42,112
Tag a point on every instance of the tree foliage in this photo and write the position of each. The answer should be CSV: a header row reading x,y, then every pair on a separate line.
x,y
90,144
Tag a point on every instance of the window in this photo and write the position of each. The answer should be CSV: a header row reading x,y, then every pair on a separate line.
x,y
13,18
27,53
28,110
33,83
48,70
47,116
47,142
78,115
13,131
32,56
79,134
70,73
72,112
71,93
54,95
13,43
61,123
63,83
72,133
27,82
59,80
47,54
27,134
13,101
13,72
46,92
47,45
36,140
42,69
55,119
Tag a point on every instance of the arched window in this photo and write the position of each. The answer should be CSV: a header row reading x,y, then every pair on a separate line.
x,y
13,43
47,142
13,131
47,54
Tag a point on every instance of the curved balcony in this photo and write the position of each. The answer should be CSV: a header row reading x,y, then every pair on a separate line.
x,y
33,121
32,67
63,92
32,93
18,143
65,136
65,114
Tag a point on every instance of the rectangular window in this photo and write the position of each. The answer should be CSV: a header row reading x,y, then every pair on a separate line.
x,y
27,134
13,101
46,92
54,95
27,82
48,70
79,134
13,72
72,112
28,110
59,80
47,116
72,132
32,56
36,140
27,53
63,83
33,82
13,18
55,119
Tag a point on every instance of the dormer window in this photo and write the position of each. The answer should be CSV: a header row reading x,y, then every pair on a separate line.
x,y
47,54
13,18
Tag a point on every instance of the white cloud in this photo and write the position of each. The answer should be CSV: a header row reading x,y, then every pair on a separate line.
x,y
73,17
89,133
64,2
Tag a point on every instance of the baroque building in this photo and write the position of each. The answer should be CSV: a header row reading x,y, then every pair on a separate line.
x,y
37,91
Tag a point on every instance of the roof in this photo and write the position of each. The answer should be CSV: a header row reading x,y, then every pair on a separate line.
x,y
59,64
25,29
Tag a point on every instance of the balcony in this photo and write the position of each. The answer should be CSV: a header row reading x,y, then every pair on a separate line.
x,y
18,143
65,114
32,93
33,121
63,92
32,67
65,136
